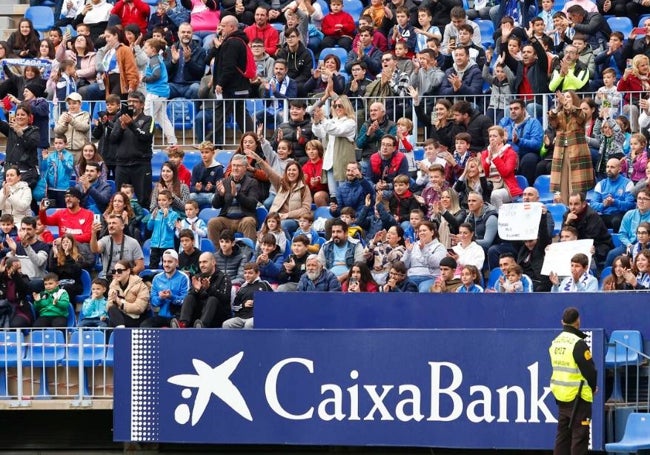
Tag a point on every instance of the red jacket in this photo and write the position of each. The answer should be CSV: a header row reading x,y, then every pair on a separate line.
x,y
630,84
184,175
312,170
328,26
506,164
136,13
268,34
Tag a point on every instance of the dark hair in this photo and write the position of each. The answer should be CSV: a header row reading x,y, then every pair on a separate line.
x,y
301,238
290,30
341,223
113,30
580,258
462,107
226,234
399,267
51,277
50,45
335,58
366,275
252,266
188,233
101,282
29,220
269,239
570,315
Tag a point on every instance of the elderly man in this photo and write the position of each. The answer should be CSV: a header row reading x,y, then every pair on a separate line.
x,y
116,246
371,133
340,252
613,195
317,278
243,303
525,135
208,302
185,63
168,289
237,196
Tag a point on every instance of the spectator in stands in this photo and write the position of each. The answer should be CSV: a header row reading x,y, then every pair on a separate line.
x,y
483,217
449,215
340,252
75,124
299,59
24,42
638,159
524,134
426,77
616,280
390,82
96,193
356,87
188,255
244,11
93,17
635,80
33,97
572,169
386,164
15,195
385,249
447,281
499,162
572,74
442,123
591,24
398,279
119,205
467,251
227,80
639,44
580,279
639,276
51,304
117,72
365,51
128,297
630,225
588,224
185,64
359,279
133,135
74,219
317,277
262,29
531,256
458,18
131,12
295,265
115,247
371,133
423,257
22,142
89,153
169,181
278,87
473,179
66,261
237,196
15,84
463,78
243,302
83,55
643,240
168,289
231,257
530,76
328,70
506,261
208,302
15,287
103,126
613,196
31,252
469,120
352,192
205,175
297,130
338,27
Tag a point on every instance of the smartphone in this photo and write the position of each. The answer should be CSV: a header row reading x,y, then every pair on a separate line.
x,y
450,251
12,116
97,218
638,30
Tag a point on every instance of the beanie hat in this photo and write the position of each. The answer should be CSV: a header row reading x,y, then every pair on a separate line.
x,y
37,89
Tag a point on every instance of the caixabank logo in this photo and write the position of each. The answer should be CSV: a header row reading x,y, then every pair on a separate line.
x,y
340,387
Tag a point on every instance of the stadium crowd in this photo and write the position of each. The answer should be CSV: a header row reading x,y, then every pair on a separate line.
x,y
337,197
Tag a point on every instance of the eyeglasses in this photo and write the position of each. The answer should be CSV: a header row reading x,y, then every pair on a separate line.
x,y
641,198
117,271
338,106
641,232
396,274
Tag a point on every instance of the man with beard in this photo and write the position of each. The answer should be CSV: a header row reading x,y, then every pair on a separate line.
x,y
340,252
185,64
613,195
168,289
208,302
115,247
317,278
96,192
297,130
74,219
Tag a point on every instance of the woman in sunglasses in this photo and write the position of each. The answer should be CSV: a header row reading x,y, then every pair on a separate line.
x,y
128,297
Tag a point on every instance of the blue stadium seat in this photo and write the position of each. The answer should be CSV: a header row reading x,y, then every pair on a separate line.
x,y
607,271
42,17
191,159
636,436
621,24
543,186
111,183
278,26
45,349
623,350
246,241
418,153
324,6
495,274
522,181
86,349
208,213
487,31
143,225
157,160
255,106
146,251
642,20
354,8
207,245
224,158
9,342
72,318
98,106
340,52
261,213
616,240
85,281
181,113
322,212
557,211
110,350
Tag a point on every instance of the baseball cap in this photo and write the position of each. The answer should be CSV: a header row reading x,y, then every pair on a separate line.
x,y
171,253
74,97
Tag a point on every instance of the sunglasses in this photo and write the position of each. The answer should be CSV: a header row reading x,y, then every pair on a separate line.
x,y
117,271
338,105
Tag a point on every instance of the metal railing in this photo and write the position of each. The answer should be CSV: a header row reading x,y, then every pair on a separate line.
x,y
72,364
622,393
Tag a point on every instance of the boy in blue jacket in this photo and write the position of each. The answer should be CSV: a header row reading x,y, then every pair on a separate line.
x,y
270,259
57,168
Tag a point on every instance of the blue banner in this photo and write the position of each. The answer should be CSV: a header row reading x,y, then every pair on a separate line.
x,y
434,388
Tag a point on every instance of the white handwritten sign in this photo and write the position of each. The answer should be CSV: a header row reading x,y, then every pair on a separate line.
x,y
558,255
519,221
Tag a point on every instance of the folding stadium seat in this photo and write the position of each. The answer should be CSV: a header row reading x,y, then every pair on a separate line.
x,y
180,112
42,17
10,342
85,281
208,213
354,8
487,32
224,158
340,52
157,160
636,437
191,159
86,349
623,350
557,211
46,349
543,186
207,245
621,24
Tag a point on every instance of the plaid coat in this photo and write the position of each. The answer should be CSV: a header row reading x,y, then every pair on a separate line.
x,y
570,141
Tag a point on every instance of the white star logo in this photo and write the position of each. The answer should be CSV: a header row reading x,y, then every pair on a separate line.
x,y
210,381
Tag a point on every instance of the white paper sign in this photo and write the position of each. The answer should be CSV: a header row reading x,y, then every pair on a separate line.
x,y
558,255
519,221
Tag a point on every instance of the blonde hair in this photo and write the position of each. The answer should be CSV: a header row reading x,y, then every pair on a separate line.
x,y
406,122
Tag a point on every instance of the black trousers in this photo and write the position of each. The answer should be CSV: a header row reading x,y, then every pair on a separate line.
x,y
210,311
573,440
138,175
222,108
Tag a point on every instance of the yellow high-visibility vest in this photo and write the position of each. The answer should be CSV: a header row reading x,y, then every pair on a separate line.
x,y
566,377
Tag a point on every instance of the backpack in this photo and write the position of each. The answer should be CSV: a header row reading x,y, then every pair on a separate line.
x,y
251,65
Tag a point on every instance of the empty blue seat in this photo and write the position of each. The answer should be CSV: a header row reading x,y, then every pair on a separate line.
x,y
111,183
246,241
487,31
543,186
85,281
322,212
157,160
557,211
522,181
86,349
623,350
607,271
110,350
636,436
208,213
261,213
181,113
621,24
10,352
45,349
354,8
224,157
42,17
495,274
191,159
207,245
146,251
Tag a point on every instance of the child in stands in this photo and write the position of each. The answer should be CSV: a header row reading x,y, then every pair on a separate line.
x,y
402,201
176,155
512,282
272,225
57,168
404,129
128,189
52,304
305,223
269,259
7,229
162,222
188,256
193,223
205,175
93,311
470,277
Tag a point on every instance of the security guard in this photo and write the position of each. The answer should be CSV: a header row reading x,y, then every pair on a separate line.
x,y
573,384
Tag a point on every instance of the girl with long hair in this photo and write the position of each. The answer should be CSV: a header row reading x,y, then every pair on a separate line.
x,y
359,279
169,181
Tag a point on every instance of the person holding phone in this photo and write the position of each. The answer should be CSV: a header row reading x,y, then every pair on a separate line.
x,y
360,279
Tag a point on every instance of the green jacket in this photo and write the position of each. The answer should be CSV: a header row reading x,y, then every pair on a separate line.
x,y
53,303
